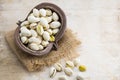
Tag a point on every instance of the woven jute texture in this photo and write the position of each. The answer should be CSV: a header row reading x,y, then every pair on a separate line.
x,y
66,50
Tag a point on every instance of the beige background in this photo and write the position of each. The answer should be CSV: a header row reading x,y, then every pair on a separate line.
x,y
97,23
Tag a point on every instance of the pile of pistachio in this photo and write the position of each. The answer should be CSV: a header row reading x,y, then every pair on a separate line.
x,y
68,69
40,28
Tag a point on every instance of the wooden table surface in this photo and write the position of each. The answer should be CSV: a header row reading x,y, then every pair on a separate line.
x,y
97,24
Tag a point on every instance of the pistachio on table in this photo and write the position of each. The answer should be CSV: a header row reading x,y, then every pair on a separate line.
x,y
69,64
82,68
68,71
76,62
62,77
58,67
42,23
52,72
78,77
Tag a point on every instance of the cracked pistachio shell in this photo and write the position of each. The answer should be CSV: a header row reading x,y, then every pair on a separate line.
x,y
69,64
55,24
25,23
31,14
42,12
44,22
45,43
23,28
33,19
33,46
46,36
49,19
46,28
39,29
36,12
58,67
49,31
54,31
62,77
48,12
33,33
52,38
34,40
33,25
40,47
55,16
78,77
52,72
24,40
68,71
25,32
76,62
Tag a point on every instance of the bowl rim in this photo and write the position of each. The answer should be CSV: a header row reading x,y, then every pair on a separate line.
x,y
58,36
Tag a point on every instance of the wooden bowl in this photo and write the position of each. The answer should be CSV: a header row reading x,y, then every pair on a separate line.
x,y
58,36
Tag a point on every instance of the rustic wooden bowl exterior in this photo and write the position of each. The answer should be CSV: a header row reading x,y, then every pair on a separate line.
x,y
58,36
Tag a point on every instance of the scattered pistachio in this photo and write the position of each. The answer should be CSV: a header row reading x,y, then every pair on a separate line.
x,y
58,67
82,68
78,77
76,62
68,71
69,64
52,72
63,77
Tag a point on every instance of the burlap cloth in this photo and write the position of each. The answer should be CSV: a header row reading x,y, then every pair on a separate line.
x,y
66,50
